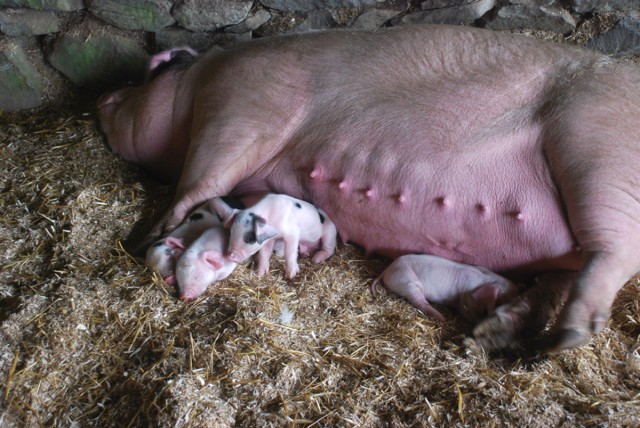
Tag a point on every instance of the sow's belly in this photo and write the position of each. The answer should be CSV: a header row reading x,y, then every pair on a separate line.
x,y
492,203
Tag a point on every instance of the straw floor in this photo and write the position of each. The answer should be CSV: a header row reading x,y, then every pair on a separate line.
x,y
91,337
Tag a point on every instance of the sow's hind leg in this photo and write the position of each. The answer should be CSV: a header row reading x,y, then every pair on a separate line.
x,y
592,144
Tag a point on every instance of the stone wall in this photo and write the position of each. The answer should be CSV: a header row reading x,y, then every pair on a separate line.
x,y
53,49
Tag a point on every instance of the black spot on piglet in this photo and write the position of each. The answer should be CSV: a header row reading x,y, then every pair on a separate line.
x,y
298,205
195,216
248,221
249,237
321,217
233,202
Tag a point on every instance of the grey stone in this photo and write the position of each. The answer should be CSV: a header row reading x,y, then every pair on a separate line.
x,y
209,15
20,82
449,12
252,22
538,3
373,18
602,6
622,39
26,22
316,20
98,59
176,37
227,40
544,18
307,5
62,5
148,15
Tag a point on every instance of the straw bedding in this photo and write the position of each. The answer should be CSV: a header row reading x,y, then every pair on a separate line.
x,y
90,336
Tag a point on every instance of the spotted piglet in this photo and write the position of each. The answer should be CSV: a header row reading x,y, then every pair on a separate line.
x,y
166,251
276,218
422,278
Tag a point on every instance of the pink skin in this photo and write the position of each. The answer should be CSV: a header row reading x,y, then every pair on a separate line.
x,y
165,56
480,147
279,218
422,278
203,263
164,252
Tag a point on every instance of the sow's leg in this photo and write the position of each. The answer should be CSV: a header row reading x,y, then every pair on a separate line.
x,y
592,143
238,127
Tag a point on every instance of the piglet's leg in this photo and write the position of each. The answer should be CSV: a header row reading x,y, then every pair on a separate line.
x,y
328,242
263,257
291,242
414,294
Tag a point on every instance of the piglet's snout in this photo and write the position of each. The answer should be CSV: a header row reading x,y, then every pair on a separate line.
x,y
188,295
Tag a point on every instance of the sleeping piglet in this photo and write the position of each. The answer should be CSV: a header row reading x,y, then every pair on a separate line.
x,y
166,251
422,278
203,263
275,218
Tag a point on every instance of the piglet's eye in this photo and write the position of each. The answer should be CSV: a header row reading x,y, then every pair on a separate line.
x,y
195,216
249,237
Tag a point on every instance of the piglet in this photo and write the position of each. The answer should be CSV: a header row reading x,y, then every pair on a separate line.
x,y
166,251
203,263
422,278
276,218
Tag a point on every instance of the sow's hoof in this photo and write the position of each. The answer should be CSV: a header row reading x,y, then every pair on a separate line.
x,y
561,340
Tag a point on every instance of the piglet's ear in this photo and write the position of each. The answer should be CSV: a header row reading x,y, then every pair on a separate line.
x,y
228,222
214,258
263,230
225,213
174,243
486,296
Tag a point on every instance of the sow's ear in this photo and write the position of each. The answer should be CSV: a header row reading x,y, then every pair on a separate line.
x,y
263,230
225,213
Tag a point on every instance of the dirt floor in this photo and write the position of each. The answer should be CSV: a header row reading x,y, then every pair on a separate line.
x,y
91,337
